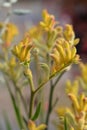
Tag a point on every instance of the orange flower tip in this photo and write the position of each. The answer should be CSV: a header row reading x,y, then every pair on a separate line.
x,y
32,45
70,95
77,118
85,99
30,122
52,17
52,55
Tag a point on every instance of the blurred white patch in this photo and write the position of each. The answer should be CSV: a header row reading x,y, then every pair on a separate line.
x,y
21,11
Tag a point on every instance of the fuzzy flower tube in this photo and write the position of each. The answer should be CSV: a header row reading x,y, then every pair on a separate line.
x,y
51,49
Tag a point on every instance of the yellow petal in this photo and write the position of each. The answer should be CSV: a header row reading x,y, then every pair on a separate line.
x,y
74,101
61,51
76,41
73,52
41,127
55,57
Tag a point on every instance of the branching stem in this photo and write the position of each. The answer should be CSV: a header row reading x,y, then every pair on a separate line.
x,y
50,107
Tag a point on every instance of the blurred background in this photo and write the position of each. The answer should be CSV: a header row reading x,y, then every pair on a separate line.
x,y
66,12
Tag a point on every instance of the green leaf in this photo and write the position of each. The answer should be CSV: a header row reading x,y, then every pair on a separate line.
x,y
36,114
17,111
7,122
16,108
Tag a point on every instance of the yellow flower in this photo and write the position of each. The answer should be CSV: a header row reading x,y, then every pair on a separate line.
x,y
49,37
63,55
22,50
12,62
10,32
74,101
83,69
11,68
76,115
61,111
72,87
48,21
32,126
79,101
70,35
36,33
80,108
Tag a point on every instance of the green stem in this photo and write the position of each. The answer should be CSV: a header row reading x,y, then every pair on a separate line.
x,y
31,84
50,107
31,105
59,78
42,84
50,103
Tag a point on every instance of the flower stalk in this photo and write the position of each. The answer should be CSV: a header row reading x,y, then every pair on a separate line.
x,y
50,102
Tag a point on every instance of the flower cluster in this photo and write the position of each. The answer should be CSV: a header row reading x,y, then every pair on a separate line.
x,y
52,50
75,117
22,50
64,51
48,22
55,43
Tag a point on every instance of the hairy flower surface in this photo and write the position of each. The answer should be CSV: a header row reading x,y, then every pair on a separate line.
x,y
48,22
22,50
78,100
45,33
76,115
50,37
64,52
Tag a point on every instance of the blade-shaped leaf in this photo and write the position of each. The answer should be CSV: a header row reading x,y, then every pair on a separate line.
x,y
36,114
17,111
7,122
16,108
